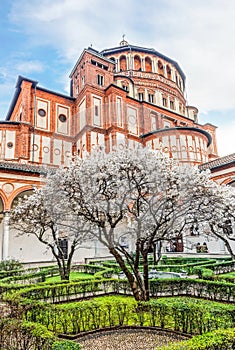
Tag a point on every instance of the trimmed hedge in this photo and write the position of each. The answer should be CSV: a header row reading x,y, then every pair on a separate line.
x,y
221,339
15,334
60,292
185,315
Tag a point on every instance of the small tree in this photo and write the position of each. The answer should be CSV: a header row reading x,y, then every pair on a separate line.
x,y
217,215
48,219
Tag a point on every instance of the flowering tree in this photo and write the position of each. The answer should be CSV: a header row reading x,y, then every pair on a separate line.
x,y
135,194
217,214
43,216
138,195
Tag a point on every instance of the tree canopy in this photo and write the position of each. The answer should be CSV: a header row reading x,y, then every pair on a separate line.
x,y
137,194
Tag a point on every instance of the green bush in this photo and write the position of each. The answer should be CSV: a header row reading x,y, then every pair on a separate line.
x,y
65,345
22,335
10,264
203,272
221,339
184,314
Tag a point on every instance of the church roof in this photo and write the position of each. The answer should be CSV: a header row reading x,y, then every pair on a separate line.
x,y
28,168
34,85
179,128
219,162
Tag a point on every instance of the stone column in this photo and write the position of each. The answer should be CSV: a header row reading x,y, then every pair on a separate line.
x,y
5,237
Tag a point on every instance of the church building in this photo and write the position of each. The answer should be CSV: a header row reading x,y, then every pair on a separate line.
x,y
120,97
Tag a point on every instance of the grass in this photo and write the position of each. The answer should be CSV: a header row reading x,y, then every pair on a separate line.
x,y
73,276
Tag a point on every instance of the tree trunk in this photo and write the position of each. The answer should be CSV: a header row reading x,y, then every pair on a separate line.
x,y
129,275
157,252
64,269
226,242
145,276
229,248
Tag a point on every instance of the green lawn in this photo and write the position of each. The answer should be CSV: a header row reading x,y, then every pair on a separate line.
x,y
73,276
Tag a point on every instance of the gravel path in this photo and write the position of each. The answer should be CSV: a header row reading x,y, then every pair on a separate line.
x,y
127,339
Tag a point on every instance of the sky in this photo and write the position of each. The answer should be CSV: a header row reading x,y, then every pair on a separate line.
x,y
42,40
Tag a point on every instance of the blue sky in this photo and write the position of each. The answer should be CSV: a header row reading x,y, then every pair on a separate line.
x,y
43,39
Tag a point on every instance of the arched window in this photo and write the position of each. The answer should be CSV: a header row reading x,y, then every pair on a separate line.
x,y
137,63
114,60
122,62
176,80
168,71
125,85
160,68
148,64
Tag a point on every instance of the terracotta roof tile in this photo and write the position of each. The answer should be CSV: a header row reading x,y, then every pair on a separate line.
x,y
218,162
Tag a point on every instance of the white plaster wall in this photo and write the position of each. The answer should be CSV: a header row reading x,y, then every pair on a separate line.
x,y
62,127
120,141
46,149
57,152
67,152
27,248
43,122
82,114
10,137
35,148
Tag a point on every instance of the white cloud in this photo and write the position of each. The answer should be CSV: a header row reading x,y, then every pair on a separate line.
x,y
198,34
29,66
226,139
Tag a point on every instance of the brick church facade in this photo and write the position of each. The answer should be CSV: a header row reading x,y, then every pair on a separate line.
x,y
123,96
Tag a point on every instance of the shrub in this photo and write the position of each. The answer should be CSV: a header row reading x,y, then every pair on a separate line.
x,y
221,339
20,335
9,265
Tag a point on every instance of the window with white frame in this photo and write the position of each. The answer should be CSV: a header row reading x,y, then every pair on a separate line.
x,y
100,80
151,98
164,101
172,104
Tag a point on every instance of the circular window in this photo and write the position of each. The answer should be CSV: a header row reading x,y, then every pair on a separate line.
x,y
35,147
9,144
62,118
42,112
46,149
57,151
132,119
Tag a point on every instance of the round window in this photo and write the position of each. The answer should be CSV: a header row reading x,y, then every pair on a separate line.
x,y
132,119
9,144
62,118
42,112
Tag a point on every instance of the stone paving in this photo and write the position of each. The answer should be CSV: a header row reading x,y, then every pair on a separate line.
x,y
128,339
